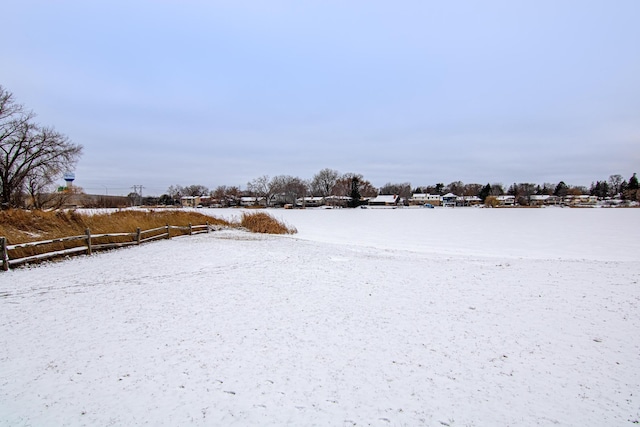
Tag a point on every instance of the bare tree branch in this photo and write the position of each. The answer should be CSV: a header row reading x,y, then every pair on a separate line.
x,y
31,156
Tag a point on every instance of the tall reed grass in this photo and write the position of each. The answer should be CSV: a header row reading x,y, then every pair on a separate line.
x,y
20,226
262,222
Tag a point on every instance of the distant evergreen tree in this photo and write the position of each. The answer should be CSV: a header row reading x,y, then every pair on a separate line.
x,y
624,191
600,189
627,193
561,189
165,199
633,192
485,192
355,192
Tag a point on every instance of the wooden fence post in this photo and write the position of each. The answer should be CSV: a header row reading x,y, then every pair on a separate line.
x,y
138,235
88,233
208,229
168,232
5,254
190,229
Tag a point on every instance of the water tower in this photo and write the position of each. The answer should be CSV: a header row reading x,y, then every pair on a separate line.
x,y
69,177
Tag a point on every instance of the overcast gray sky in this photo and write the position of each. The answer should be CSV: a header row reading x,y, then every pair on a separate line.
x,y
220,92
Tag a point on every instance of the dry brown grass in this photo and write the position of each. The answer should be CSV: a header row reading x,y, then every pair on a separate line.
x,y
262,222
20,226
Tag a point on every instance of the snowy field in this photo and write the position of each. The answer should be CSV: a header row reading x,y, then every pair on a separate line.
x,y
454,317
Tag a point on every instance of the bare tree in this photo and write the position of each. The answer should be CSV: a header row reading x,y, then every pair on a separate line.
x,y
350,184
196,190
547,189
438,188
578,190
290,187
175,192
615,184
341,187
227,196
29,151
220,194
523,192
401,189
41,195
36,183
496,189
323,182
264,187
527,190
471,189
456,187
233,195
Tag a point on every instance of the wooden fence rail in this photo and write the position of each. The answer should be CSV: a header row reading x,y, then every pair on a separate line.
x,y
88,244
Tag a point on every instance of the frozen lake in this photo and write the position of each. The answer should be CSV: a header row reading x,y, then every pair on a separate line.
x,y
457,317
603,234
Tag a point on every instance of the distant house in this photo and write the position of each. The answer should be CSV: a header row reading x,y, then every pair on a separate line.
x,y
337,201
543,200
449,200
418,199
310,202
190,201
206,201
252,201
582,200
425,198
506,200
468,201
384,200
279,199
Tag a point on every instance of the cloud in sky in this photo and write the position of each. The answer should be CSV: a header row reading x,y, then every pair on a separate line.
x,y
218,93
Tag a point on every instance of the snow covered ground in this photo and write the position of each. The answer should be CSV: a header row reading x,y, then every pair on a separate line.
x,y
458,317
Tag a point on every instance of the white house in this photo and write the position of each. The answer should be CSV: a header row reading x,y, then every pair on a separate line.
x,y
423,198
337,201
252,201
385,200
449,200
310,202
418,199
581,200
506,200
543,199
468,200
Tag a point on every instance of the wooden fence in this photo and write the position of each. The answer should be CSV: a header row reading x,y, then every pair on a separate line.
x,y
86,245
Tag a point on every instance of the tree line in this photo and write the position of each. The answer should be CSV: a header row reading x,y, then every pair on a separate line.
x,y
286,189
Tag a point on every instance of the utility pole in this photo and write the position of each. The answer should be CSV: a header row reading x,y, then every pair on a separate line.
x,y
137,189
